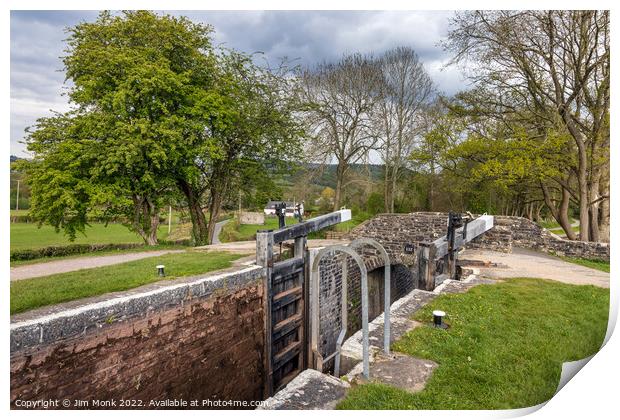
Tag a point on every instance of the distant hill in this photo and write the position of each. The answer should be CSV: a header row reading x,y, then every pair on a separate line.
x,y
325,175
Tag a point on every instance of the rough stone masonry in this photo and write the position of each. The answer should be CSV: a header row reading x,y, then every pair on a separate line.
x,y
393,231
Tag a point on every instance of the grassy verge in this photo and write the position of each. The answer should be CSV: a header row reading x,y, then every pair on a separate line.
x,y
58,288
144,248
596,264
504,348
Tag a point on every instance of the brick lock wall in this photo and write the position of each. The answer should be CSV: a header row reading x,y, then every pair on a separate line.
x,y
205,348
402,282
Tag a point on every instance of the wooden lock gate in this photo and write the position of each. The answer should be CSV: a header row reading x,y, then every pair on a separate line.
x,y
286,299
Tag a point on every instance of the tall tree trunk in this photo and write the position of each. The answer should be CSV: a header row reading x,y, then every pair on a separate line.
x,y
200,232
152,239
604,209
594,204
340,172
538,209
393,187
560,214
386,188
431,187
214,211
582,176
146,219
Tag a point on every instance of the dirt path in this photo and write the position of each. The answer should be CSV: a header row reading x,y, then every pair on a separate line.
x,y
217,230
526,263
62,266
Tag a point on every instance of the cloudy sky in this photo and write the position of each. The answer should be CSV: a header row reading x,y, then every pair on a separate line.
x,y
37,80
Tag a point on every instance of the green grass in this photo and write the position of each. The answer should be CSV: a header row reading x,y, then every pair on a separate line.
x,y
29,236
58,288
596,264
19,212
554,227
504,348
356,219
233,231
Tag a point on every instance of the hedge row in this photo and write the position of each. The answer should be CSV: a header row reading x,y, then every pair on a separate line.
x,y
75,249
25,218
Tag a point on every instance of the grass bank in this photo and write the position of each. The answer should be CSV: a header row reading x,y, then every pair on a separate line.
x,y
233,231
596,264
504,348
42,291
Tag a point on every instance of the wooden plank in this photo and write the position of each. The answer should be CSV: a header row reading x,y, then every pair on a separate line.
x,y
288,378
311,225
286,354
288,267
300,252
286,326
286,297
426,266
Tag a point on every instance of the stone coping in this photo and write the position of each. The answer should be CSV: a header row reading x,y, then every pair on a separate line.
x,y
58,322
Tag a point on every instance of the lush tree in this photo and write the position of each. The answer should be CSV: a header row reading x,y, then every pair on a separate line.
x,y
547,71
135,77
245,118
156,109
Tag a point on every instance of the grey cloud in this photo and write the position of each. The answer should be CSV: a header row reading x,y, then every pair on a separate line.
x,y
308,36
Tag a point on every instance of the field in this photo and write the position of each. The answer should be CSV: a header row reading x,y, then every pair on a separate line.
x,y
29,236
58,288
500,351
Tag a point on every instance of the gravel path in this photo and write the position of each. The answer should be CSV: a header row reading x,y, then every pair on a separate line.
x,y
73,264
526,263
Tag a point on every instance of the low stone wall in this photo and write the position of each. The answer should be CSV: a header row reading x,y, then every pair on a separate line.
x,y
198,338
251,218
393,231
527,234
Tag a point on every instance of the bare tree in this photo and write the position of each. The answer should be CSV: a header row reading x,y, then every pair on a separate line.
x,y
339,100
552,68
406,90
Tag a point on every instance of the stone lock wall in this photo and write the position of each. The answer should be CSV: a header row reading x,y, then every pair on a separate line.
x,y
393,231
197,340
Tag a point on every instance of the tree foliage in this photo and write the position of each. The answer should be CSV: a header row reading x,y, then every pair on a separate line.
x,y
157,111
